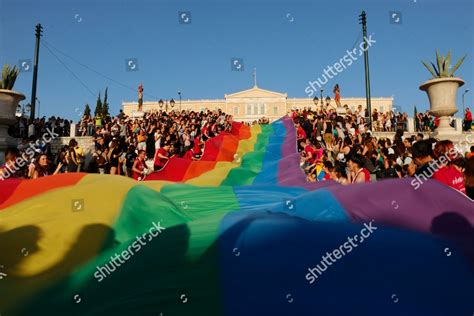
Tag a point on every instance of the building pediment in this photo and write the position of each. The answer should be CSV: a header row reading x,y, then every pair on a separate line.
x,y
255,92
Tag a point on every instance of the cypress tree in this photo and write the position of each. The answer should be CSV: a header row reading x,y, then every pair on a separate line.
x,y
105,105
98,107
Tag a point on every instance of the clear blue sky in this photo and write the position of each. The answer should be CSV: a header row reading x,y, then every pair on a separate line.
x,y
195,58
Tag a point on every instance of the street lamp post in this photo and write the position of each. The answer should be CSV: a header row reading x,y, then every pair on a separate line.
x,y
38,34
466,91
39,107
172,103
322,102
316,101
328,101
179,93
463,109
22,110
363,21
165,103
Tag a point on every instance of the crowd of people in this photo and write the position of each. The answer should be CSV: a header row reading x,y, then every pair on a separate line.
x,y
392,121
389,121
340,147
343,148
123,145
60,126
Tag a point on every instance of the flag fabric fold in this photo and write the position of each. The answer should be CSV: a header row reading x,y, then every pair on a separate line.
x,y
239,232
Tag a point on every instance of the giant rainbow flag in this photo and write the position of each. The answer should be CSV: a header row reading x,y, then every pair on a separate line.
x,y
239,232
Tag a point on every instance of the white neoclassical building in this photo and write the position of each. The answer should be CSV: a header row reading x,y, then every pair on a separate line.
x,y
252,104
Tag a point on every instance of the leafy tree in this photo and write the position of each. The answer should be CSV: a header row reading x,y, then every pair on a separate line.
x,y
105,105
98,107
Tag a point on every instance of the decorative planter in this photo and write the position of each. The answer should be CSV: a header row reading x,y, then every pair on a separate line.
x,y
442,96
9,101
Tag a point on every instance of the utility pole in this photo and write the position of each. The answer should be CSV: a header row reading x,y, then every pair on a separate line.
x,y
39,30
322,100
463,112
363,21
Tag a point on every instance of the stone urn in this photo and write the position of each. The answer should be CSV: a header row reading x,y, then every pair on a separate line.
x,y
9,101
442,96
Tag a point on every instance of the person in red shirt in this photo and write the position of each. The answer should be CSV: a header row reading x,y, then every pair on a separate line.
x,y
139,166
358,173
205,132
445,155
300,132
313,154
189,155
301,136
450,176
467,120
197,148
294,114
313,151
318,152
162,157
328,169
213,129
309,152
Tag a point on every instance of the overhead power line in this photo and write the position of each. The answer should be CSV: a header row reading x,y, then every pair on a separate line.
x,y
95,71
69,70
357,40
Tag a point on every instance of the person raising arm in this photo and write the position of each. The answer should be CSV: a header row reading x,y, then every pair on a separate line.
x,y
43,167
